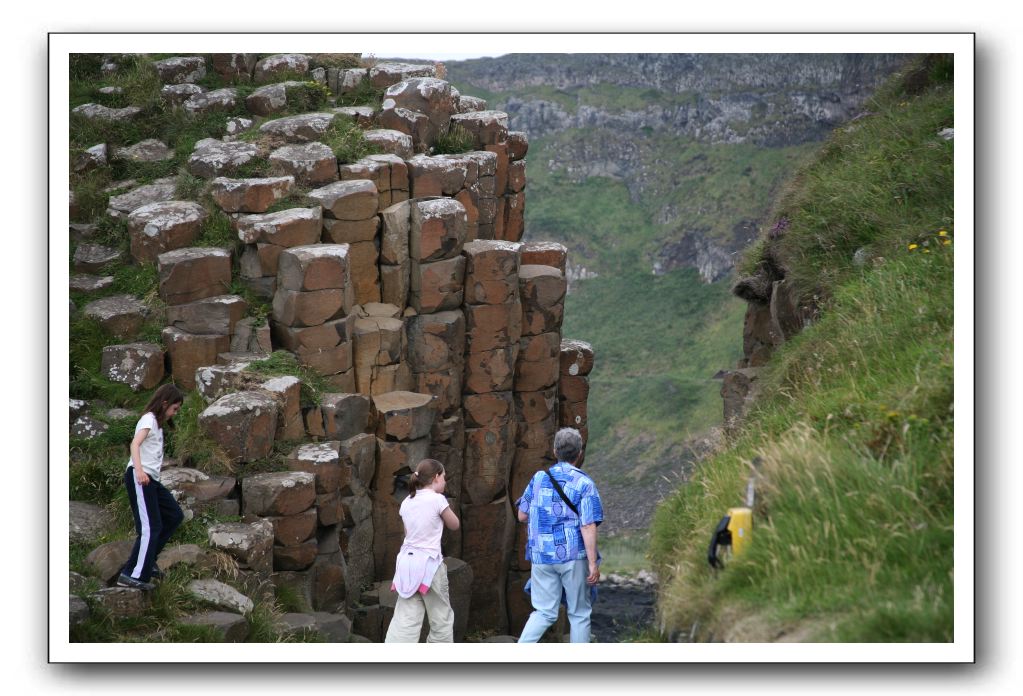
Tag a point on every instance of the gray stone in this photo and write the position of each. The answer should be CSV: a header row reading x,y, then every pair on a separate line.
x,y
121,414
270,99
81,232
225,99
78,611
165,226
91,158
179,94
193,273
211,315
151,150
254,195
160,190
77,407
236,126
243,424
182,69
347,200
391,141
251,545
221,595
88,521
312,164
212,158
234,65
138,365
96,112
345,415
105,562
350,79
467,104
121,315
272,67
295,625
426,95
383,75
78,583
83,282
122,602
486,127
299,129
278,493
286,228
86,427
111,91
91,258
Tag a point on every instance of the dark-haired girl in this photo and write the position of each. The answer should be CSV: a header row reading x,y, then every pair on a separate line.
x,y
420,577
156,512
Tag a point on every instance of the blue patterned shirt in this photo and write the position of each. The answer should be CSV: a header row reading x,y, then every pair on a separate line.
x,y
554,535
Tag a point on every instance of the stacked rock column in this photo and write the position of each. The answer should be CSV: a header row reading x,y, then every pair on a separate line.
x,y
574,386
350,217
542,292
312,310
493,327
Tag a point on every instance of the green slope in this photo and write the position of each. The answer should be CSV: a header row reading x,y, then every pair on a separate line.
x,y
853,527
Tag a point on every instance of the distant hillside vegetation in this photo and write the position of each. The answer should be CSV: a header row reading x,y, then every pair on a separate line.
x,y
853,526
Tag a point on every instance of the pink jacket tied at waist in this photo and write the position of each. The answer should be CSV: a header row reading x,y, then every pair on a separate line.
x,y
414,570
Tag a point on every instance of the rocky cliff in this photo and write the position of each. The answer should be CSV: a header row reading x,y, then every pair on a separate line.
x,y
623,117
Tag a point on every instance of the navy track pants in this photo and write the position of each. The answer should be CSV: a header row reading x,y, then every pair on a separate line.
x,y
157,515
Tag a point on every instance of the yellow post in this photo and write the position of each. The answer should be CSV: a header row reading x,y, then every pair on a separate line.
x,y
741,527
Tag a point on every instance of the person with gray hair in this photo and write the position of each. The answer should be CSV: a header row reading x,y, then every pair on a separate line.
x,y
563,509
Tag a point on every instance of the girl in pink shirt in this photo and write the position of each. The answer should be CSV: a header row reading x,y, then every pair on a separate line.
x,y
420,577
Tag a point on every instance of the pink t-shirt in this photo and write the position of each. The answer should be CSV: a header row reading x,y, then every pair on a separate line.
x,y
421,515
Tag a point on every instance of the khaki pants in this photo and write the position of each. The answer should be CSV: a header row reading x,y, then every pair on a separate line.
x,y
407,623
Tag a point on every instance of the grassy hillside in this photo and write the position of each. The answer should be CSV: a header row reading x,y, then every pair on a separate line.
x,y
853,524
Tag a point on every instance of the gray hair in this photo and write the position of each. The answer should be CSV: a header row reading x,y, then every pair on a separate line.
x,y
568,443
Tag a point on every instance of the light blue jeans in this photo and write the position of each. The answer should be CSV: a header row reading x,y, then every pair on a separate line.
x,y
548,580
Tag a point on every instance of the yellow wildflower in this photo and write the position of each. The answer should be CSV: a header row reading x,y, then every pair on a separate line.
x,y
942,233
946,242
927,251
912,247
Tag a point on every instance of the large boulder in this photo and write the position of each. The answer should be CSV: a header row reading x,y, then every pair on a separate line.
x,y
232,66
121,315
78,611
391,141
299,129
250,195
92,258
211,315
176,95
403,415
158,227
274,67
285,228
105,562
88,521
86,428
122,602
438,229
97,112
181,69
220,595
193,273
243,424
313,267
120,206
312,164
270,99
149,150
139,365
347,200
250,544
436,99
212,158
225,99
383,75
278,493
188,352
91,158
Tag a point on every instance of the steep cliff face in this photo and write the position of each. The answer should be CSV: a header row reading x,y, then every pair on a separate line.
x,y
630,118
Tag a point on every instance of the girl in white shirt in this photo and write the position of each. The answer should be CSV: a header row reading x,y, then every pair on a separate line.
x,y
156,512
420,577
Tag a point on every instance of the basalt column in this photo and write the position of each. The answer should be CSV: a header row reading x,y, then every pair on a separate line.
x,y
493,329
542,293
